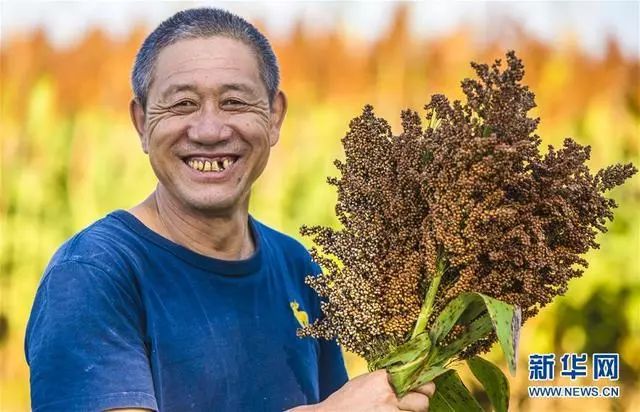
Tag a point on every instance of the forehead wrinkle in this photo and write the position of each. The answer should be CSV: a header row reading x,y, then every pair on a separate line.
x,y
207,62
238,87
176,88
191,71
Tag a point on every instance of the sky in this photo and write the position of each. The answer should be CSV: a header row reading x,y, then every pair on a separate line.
x,y
590,22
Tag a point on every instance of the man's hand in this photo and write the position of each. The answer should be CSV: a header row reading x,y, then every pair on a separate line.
x,y
373,393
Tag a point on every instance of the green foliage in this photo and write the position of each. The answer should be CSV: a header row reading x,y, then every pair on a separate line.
x,y
504,319
452,395
493,381
409,351
427,356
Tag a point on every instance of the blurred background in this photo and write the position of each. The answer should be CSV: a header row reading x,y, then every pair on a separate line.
x,y
68,154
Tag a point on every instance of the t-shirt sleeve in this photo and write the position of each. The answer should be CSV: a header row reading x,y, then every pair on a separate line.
x,y
84,342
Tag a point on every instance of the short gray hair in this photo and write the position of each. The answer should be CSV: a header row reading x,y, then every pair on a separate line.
x,y
202,23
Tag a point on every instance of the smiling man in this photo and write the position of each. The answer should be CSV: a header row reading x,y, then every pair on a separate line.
x,y
185,301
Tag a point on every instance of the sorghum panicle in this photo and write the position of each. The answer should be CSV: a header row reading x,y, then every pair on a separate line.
x,y
513,223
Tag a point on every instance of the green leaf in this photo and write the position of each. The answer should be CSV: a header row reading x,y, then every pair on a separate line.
x,y
466,308
420,374
428,374
493,381
405,361
473,311
506,321
407,352
452,395
402,377
478,329
451,313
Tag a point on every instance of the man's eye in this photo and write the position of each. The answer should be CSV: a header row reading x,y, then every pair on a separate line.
x,y
233,103
185,106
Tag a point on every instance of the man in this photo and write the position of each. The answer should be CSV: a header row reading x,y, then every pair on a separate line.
x,y
184,301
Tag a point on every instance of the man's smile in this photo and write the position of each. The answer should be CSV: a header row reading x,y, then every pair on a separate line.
x,y
210,168
215,164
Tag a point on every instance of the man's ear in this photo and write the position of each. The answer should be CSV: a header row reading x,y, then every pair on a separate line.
x,y
278,111
138,118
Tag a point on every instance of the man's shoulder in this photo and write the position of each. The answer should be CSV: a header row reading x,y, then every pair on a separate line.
x,y
104,244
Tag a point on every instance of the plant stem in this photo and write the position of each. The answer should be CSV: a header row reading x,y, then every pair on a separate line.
x,y
427,305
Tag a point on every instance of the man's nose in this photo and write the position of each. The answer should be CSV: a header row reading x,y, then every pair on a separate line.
x,y
210,126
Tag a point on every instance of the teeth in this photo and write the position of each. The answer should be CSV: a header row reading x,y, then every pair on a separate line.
x,y
210,166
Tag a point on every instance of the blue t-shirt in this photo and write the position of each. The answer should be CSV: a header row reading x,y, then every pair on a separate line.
x,y
123,317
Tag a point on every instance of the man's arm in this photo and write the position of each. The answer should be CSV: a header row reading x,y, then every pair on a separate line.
x,y
86,324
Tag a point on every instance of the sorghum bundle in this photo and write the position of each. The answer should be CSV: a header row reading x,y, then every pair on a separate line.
x,y
468,202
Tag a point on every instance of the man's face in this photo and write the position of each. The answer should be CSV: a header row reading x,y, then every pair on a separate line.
x,y
208,126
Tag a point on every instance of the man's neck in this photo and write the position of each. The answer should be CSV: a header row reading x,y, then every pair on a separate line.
x,y
219,236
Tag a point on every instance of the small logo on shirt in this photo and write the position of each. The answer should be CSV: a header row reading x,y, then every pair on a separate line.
x,y
301,315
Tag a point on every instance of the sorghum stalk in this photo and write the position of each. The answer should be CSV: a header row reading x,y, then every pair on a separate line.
x,y
427,306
